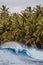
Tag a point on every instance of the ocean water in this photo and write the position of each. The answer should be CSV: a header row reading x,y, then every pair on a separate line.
x,y
13,53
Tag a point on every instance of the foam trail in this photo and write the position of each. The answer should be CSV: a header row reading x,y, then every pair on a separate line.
x,y
35,53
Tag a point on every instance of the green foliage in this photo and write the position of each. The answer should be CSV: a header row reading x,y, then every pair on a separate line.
x,y
21,27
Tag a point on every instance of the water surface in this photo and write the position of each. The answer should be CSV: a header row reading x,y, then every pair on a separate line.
x,y
12,53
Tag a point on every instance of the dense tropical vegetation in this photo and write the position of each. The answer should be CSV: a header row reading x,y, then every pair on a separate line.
x,y
25,27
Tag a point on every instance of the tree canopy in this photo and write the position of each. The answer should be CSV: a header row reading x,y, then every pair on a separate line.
x,y
21,27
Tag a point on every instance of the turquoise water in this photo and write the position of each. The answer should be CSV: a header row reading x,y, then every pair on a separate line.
x,y
12,53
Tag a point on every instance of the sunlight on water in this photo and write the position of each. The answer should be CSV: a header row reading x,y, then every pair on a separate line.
x,y
12,53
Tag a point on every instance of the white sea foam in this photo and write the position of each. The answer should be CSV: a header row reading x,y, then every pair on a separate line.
x,y
13,53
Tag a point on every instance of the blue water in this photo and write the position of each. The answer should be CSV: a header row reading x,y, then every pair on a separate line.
x,y
13,53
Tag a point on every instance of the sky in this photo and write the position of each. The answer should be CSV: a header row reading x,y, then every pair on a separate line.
x,y
18,5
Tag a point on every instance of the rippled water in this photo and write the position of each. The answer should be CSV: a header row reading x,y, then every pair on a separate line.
x,y
12,53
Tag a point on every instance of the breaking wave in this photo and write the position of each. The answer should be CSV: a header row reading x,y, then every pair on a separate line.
x,y
13,51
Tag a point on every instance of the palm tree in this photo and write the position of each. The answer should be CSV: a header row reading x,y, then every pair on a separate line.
x,y
4,11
